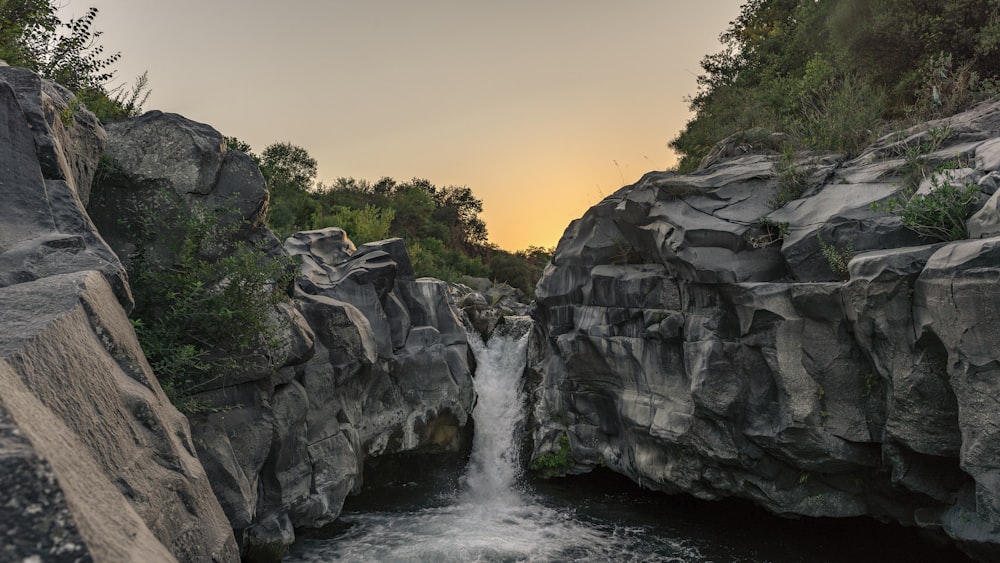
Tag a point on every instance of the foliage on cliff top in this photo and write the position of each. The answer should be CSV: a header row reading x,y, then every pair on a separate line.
x,y
830,73
69,53
444,233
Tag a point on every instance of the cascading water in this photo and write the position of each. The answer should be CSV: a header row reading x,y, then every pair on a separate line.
x,y
493,515
490,518
494,465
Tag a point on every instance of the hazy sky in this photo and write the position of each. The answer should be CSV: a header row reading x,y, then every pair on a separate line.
x,y
541,107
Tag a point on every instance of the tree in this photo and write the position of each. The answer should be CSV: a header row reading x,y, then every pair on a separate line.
x,y
290,173
288,164
22,24
458,209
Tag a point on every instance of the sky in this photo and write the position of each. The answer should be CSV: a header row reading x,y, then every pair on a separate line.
x,y
541,107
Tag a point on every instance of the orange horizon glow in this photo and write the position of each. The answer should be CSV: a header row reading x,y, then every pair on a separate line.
x,y
542,108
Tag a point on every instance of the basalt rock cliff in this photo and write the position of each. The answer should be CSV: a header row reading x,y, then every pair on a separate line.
x,y
95,463
700,334
368,362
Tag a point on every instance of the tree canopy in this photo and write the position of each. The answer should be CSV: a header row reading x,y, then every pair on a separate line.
x,y
442,227
828,73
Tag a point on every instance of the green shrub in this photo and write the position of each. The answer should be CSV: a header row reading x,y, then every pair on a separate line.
x,y
940,214
792,181
431,258
916,166
554,463
203,311
362,225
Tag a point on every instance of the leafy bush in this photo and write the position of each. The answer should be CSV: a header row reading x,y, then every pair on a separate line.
x,y
363,225
431,258
941,214
202,309
554,463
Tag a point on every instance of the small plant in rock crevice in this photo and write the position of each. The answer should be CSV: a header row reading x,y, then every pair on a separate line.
x,y
625,252
916,166
554,463
940,214
837,257
769,232
792,181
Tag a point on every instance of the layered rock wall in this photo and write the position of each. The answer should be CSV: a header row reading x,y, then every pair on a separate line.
x,y
698,335
97,465
368,361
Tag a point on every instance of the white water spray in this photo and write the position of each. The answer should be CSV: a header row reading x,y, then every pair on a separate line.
x,y
494,465
490,519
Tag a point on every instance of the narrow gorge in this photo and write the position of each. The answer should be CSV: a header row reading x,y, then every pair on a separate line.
x,y
708,334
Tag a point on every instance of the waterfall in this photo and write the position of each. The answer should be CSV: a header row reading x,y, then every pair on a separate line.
x,y
494,466
494,516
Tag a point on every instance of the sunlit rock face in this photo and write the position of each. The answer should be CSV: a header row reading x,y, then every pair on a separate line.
x,y
698,335
95,463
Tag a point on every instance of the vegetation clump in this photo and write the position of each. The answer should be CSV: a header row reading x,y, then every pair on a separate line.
x,y
204,306
832,75
941,213
554,463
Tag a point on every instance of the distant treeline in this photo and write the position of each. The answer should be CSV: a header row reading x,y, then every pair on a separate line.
x,y
832,75
442,228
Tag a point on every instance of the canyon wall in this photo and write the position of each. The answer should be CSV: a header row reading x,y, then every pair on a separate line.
x,y
365,361
764,329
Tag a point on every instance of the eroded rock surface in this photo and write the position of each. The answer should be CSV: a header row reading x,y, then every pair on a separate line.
x,y
387,374
368,362
696,335
97,465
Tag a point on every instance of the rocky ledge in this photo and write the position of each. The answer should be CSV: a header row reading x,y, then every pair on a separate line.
x,y
714,335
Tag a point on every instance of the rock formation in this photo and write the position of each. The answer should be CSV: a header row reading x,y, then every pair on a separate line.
x,y
367,363
370,362
700,333
96,463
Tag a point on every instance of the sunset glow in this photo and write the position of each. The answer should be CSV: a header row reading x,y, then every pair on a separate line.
x,y
541,108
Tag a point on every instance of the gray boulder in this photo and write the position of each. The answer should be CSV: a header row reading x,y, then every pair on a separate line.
x,y
161,168
69,139
44,229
